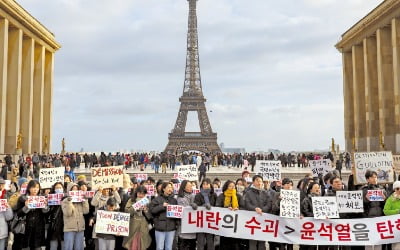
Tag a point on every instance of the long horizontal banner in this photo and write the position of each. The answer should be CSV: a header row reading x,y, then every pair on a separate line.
x,y
307,231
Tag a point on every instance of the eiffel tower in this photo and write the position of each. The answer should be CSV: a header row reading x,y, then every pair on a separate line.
x,y
192,99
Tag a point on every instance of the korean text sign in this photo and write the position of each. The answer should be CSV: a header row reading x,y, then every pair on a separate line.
x,y
116,223
188,172
36,201
307,231
290,203
350,201
325,207
49,176
269,170
381,162
106,177
320,167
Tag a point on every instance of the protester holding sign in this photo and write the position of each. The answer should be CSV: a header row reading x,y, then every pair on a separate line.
x,y
372,208
5,216
206,198
256,199
107,241
74,223
165,227
102,195
231,200
55,218
139,237
313,190
186,198
34,236
392,206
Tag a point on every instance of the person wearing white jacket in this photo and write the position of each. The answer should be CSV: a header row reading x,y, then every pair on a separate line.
x,y
4,217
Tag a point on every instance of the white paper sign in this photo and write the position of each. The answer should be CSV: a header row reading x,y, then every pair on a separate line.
x,y
325,207
36,202
269,170
290,203
188,172
141,203
49,176
106,177
3,205
140,177
174,211
376,195
320,167
381,162
350,201
112,223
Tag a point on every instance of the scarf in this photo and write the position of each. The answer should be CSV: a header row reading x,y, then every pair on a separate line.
x,y
205,193
231,199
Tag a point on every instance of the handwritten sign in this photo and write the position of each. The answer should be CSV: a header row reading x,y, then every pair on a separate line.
x,y
320,167
269,170
381,162
140,177
376,195
150,190
116,223
36,202
188,172
290,204
325,207
54,199
350,201
141,203
3,205
49,176
174,211
77,196
106,177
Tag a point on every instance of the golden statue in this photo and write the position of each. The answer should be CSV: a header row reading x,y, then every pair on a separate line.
x,y
45,143
63,145
381,140
19,140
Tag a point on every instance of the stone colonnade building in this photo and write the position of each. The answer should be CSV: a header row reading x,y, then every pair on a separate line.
x,y
26,81
371,80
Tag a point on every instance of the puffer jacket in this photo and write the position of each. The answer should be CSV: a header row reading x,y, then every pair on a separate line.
x,y
257,198
73,213
159,212
373,208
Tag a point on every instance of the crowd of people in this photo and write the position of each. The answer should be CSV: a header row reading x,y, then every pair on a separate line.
x,y
70,225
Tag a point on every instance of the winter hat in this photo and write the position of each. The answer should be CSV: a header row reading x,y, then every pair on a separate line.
x,y
396,184
22,180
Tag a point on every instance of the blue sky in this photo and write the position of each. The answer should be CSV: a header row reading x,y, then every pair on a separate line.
x,y
269,69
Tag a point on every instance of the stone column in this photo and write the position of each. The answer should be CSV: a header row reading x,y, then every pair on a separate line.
x,y
371,93
386,86
28,47
396,79
37,112
348,100
13,89
48,97
3,81
359,98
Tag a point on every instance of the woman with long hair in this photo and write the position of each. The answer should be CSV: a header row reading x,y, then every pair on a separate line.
x,y
186,241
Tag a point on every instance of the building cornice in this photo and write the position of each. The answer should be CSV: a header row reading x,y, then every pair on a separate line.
x,y
19,14
379,17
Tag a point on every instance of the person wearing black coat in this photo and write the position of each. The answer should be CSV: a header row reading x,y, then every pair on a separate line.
x,y
206,198
313,190
164,227
55,231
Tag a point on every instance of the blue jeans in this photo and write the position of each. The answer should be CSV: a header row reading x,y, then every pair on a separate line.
x,y
73,240
164,240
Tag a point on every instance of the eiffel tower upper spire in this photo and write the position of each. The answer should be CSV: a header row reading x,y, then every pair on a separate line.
x,y
192,86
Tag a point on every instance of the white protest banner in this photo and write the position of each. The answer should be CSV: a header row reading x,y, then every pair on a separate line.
x,y
325,207
290,203
380,162
269,170
3,205
106,177
116,223
396,163
350,201
150,190
36,202
49,176
188,172
140,177
376,195
77,196
174,211
307,231
320,167
141,203
54,199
